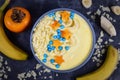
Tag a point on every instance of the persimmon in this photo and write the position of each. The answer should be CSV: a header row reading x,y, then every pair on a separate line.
x,y
17,19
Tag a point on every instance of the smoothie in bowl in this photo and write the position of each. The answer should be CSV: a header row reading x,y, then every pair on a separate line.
x,y
62,40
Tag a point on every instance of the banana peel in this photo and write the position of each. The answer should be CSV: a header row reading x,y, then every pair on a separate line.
x,y
106,69
6,47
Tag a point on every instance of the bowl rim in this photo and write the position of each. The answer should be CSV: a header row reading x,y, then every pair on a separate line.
x,y
90,53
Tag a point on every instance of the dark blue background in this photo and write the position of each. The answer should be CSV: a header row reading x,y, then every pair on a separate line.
x,y
39,7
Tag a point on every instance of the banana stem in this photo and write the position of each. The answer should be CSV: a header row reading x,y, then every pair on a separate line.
x,y
4,5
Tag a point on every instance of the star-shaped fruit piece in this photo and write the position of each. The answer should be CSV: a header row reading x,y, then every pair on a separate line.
x,y
55,25
59,59
56,43
65,16
66,34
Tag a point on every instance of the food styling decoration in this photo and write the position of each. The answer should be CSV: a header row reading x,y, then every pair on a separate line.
x,y
59,38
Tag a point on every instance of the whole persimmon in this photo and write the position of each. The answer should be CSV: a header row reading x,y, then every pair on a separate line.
x,y
17,19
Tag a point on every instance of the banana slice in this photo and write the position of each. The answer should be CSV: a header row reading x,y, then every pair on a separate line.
x,y
73,43
75,26
87,3
57,16
74,40
69,23
108,26
116,9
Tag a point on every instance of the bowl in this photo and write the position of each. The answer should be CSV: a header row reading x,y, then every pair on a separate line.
x,y
63,62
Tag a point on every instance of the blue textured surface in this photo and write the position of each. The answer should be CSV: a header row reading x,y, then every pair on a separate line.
x,y
39,7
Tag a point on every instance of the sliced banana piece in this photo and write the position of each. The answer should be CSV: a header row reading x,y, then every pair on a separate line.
x,y
57,16
73,43
116,9
108,26
76,25
74,40
69,23
87,3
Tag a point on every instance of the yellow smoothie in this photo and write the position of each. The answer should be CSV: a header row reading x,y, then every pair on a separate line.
x,y
62,40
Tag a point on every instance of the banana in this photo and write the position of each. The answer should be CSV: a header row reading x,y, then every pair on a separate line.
x,y
106,69
6,47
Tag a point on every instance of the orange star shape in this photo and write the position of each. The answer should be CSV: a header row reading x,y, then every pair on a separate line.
x,y
66,33
65,16
59,59
56,43
55,25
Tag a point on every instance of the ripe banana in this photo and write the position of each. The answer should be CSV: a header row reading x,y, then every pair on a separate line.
x,y
6,47
106,69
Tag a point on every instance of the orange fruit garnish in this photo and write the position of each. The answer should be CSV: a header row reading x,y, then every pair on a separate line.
x,y
66,34
56,43
55,25
65,16
59,59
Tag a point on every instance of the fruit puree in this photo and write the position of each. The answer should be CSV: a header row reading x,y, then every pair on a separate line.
x,y
62,40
